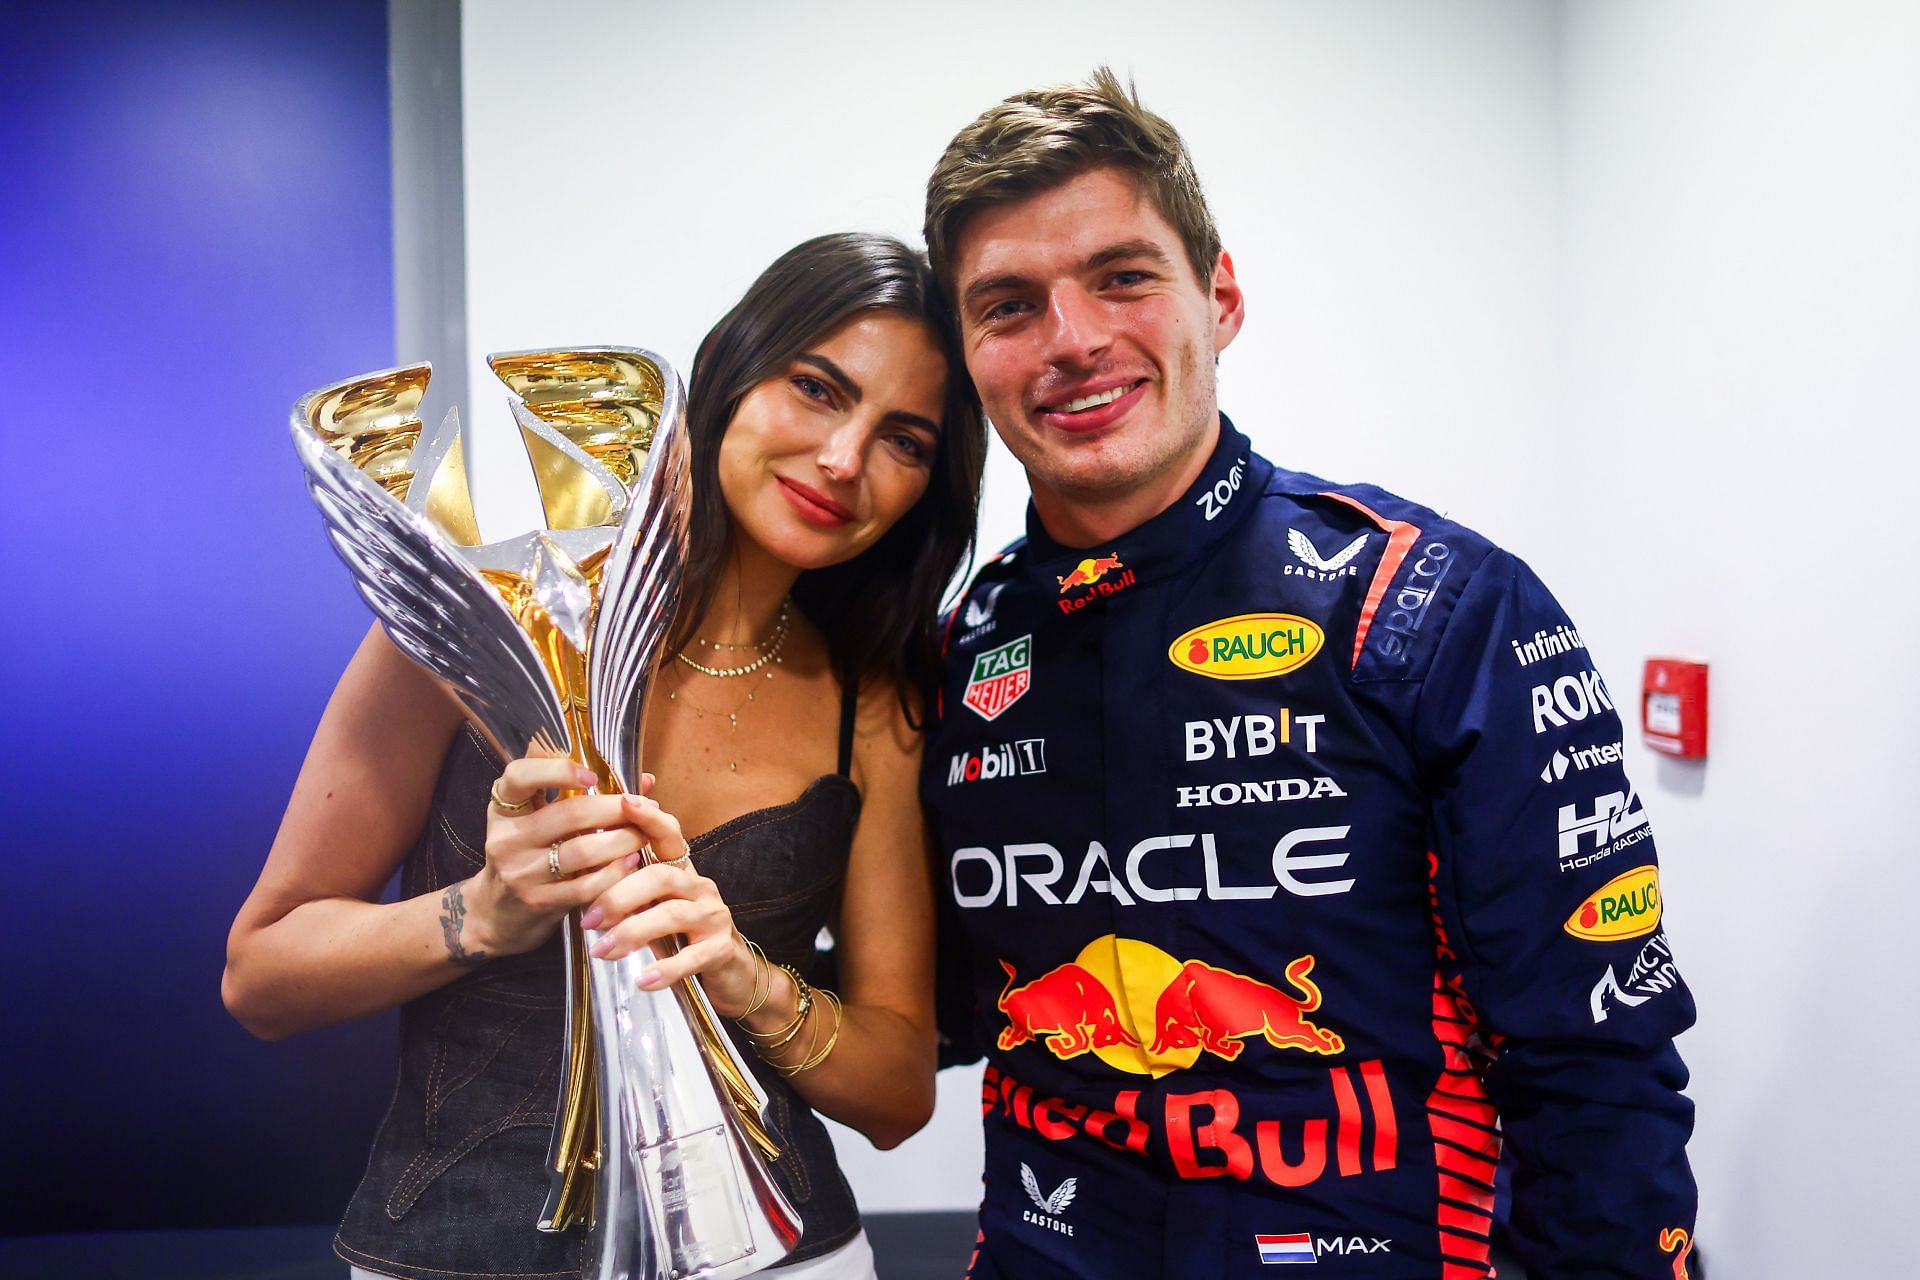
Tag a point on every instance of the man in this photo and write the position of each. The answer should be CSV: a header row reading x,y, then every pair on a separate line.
x,y
1283,821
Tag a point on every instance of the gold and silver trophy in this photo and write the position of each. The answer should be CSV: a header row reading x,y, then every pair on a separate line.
x,y
550,639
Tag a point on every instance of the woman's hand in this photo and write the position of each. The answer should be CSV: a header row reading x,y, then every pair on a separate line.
x,y
543,859
670,897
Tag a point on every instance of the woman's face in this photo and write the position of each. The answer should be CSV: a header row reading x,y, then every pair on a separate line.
x,y
821,458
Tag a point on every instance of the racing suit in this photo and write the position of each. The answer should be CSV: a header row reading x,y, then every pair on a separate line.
x,y
1291,867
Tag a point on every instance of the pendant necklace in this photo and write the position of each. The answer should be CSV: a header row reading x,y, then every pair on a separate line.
x,y
768,647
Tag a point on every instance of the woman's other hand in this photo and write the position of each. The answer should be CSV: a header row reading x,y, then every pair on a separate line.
x,y
667,898
544,859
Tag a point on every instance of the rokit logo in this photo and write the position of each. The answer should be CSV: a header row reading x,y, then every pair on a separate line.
x,y
1409,604
1651,973
1251,736
1049,1207
1325,569
1581,759
982,877
1569,700
1004,760
1617,822
1214,500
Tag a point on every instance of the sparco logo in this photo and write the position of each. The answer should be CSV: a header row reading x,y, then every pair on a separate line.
x,y
1568,700
1409,604
1005,760
1273,791
1157,869
1213,501
1617,822
1050,1207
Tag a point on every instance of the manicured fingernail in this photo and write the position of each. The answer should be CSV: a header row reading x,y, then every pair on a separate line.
x,y
586,776
591,918
632,860
647,780
649,980
603,946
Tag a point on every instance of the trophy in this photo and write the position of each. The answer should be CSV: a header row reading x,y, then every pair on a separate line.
x,y
550,640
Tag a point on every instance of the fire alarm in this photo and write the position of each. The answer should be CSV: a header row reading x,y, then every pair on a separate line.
x,y
1673,707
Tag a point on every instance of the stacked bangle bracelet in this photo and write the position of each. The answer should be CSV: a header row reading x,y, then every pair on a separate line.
x,y
766,1043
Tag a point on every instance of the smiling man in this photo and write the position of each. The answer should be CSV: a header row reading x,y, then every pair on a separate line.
x,y
1290,864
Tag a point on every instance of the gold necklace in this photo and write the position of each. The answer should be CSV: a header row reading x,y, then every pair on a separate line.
x,y
769,648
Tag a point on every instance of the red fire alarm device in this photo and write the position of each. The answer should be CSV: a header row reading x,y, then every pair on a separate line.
x,y
1673,707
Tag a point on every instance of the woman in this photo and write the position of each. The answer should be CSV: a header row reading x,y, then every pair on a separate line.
x,y
836,460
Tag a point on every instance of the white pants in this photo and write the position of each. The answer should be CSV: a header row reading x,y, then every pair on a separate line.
x,y
851,1261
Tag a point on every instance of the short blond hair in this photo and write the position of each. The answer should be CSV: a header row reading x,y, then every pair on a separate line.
x,y
1039,139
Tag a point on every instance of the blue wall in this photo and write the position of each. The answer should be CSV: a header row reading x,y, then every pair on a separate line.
x,y
195,227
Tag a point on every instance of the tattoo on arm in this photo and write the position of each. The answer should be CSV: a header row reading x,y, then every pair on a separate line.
x,y
453,912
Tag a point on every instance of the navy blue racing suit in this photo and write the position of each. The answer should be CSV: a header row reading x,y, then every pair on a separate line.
x,y
1290,868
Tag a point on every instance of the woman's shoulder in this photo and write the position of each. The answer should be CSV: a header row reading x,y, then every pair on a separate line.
x,y
888,728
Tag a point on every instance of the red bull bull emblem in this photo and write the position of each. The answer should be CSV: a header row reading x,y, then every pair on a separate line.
x,y
1092,573
999,678
1096,1002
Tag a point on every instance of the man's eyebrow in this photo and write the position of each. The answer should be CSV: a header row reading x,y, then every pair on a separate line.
x,y
990,284
834,371
1130,249
1120,252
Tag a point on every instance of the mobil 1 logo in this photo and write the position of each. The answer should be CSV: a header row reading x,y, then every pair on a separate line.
x,y
1001,760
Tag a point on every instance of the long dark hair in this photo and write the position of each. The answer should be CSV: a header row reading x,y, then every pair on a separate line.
x,y
877,610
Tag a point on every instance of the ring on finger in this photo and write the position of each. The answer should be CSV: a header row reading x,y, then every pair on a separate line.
x,y
504,806
553,859
686,857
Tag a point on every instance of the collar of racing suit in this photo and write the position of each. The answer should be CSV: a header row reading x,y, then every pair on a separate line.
x,y
1177,537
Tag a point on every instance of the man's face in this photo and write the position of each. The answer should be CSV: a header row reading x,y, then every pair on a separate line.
x,y
1091,343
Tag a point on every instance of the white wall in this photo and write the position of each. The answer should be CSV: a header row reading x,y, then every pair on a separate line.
x,y
1598,277
1732,471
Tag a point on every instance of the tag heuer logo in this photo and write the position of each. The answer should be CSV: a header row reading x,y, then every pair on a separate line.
x,y
999,677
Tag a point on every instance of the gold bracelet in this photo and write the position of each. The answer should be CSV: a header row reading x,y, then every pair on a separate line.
x,y
762,979
815,1059
766,1042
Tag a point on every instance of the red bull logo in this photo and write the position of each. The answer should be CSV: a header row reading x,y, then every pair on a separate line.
x,y
1142,1011
1092,573
1350,1130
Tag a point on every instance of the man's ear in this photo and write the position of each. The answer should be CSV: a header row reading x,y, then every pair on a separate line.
x,y
1230,304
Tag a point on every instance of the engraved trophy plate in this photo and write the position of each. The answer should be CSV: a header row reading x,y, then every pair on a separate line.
x,y
550,639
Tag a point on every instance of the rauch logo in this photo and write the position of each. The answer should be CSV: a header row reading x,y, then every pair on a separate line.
x,y
1250,646
1626,906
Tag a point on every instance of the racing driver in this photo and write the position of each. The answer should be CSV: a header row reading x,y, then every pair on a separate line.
x,y
1291,867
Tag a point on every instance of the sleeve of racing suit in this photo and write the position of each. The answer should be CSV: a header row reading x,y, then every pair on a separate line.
x,y
1546,893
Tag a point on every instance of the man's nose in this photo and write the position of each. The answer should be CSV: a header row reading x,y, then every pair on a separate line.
x,y
1076,327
